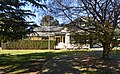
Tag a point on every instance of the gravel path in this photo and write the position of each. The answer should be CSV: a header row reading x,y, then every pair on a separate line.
x,y
89,63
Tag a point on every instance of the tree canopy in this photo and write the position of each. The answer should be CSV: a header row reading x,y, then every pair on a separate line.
x,y
13,25
49,21
102,18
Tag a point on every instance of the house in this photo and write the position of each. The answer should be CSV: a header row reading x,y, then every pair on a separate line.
x,y
60,35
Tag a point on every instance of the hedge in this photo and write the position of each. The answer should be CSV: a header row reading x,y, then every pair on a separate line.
x,y
28,44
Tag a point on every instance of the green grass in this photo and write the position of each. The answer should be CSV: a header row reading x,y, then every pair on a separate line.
x,y
25,61
16,52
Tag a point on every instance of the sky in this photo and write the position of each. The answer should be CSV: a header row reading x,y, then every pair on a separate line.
x,y
39,14
37,18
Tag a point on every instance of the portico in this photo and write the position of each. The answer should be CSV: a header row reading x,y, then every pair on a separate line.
x,y
62,42
60,35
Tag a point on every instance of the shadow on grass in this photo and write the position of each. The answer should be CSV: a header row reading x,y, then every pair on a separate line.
x,y
90,63
27,63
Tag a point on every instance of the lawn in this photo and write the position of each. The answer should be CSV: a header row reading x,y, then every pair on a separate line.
x,y
29,61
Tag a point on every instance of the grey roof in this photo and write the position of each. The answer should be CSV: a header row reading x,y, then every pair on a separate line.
x,y
48,29
47,34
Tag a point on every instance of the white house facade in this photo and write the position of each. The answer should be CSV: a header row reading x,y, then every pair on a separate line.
x,y
61,36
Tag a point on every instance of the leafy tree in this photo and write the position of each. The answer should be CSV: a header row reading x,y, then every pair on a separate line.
x,y
102,18
49,21
13,25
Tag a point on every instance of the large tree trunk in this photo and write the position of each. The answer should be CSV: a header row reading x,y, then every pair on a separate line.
x,y
106,50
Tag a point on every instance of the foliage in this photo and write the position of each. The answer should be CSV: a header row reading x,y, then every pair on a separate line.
x,y
49,21
105,22
28,44
13,25
102,18
82,39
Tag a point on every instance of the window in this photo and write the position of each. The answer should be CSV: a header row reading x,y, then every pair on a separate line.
x,y
45,38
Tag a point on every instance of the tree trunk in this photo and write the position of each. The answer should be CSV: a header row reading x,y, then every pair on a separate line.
x,y
91,42
0,43
106,51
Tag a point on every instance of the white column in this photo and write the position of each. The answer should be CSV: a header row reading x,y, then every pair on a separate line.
x,y
67,38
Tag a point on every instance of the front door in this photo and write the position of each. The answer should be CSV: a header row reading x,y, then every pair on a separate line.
x,y
60,39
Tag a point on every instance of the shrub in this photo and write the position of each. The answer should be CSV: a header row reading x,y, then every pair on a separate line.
x,y
28,44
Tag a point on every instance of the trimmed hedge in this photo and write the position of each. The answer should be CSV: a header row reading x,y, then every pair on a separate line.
x,y
28,44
